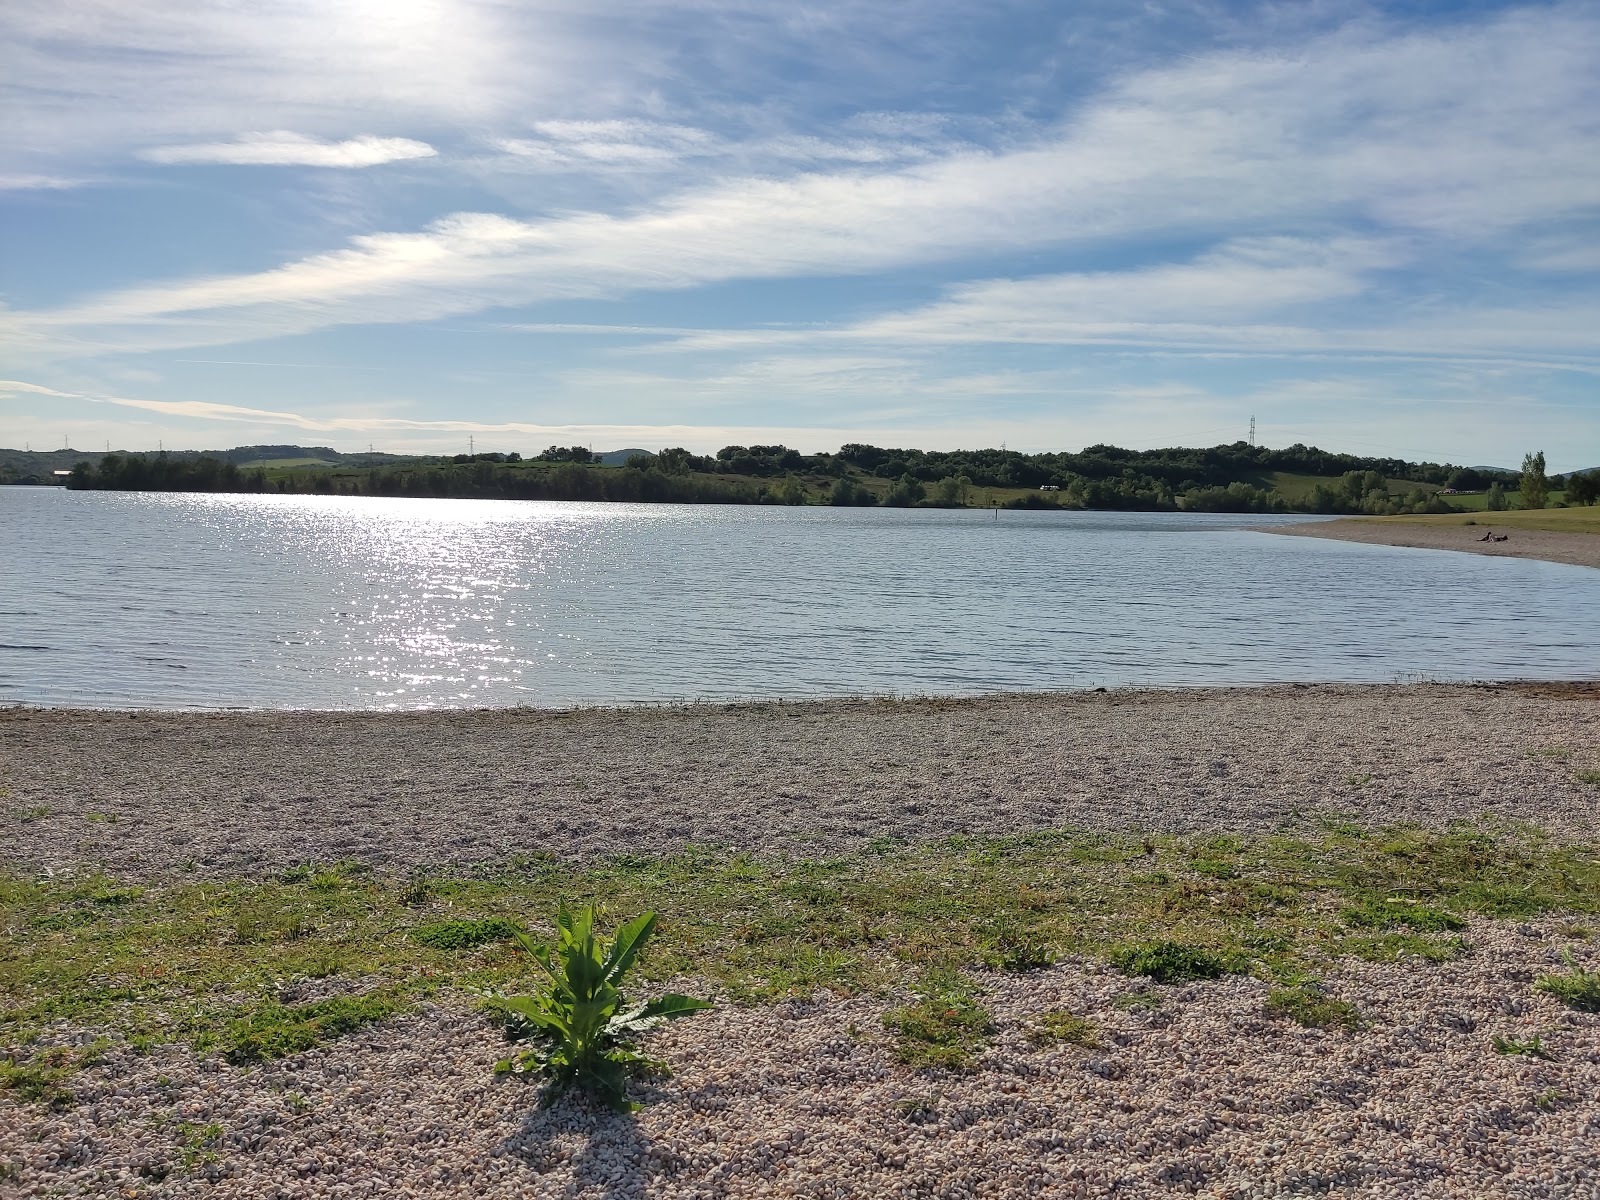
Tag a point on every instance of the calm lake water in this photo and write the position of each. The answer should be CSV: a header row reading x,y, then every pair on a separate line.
x,y
149,600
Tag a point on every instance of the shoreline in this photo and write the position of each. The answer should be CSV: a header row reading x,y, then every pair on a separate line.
x,y
1546,545
256,792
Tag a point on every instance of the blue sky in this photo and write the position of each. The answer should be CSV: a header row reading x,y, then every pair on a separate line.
x,y
405,223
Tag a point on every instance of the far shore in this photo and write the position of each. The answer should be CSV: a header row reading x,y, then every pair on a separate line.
x,y
1576,548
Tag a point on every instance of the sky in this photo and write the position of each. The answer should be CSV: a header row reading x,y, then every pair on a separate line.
x,y
420,225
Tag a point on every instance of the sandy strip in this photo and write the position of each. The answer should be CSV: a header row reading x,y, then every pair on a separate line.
x,y
1201,1094
254,792
1577,549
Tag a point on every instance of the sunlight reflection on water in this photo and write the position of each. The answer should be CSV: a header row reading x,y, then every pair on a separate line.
x,y
190,600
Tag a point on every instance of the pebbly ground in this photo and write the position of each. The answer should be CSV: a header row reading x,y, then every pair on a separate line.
x,y
143,793
1573,547
1202,1095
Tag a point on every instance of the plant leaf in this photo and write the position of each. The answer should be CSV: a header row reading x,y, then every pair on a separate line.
x,y
673,1005
625,947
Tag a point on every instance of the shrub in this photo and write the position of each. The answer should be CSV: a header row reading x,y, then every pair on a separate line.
x,y
582,1027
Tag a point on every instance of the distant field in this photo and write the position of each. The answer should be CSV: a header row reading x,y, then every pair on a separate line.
x,y
1297,487
1561,520
285,463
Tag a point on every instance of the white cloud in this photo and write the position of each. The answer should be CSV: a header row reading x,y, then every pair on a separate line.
x,y
282,148
1443,140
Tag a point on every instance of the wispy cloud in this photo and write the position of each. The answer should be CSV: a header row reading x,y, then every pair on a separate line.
x,y
1396,134
283,148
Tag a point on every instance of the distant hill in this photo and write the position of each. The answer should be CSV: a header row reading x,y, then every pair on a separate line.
x,y
617,458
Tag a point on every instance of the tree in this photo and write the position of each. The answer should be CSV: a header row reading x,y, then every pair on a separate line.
x,y
1468,480
1583,488
1535,484
1496,499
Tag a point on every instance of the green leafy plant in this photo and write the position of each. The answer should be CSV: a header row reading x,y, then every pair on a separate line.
x,y
1532,1048
464,935
1174,962
1578,988
582,1027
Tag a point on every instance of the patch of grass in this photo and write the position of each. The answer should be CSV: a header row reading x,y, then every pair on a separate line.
x,y
464,935
41,1080
1307,1003
944,1027
34,812
99,953
1531,1048
1017,950
1390,911
277,1030
1592,778
1392,947
1059,1025
1175,962
1575,988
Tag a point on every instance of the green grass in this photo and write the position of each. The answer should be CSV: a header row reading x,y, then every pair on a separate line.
x,y
945,1027
206,961
1059,1025
1576,988
1530,1048
1306,1003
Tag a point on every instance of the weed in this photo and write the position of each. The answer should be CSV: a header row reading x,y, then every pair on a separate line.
x,y
465,935
1174,962
1532,1048
36,812
275,1030
944,1027
1549,1098
583,1028
198,1144
1557,752
98,818
1308,1003
1358,781
1576,987
1590,777
1059,1025
1009,949
1393,910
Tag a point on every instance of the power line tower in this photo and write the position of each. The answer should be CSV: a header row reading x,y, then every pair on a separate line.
x,y
1252,431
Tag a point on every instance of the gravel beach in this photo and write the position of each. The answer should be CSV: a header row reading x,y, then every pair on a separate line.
x,y
254,792
1192,1088
1576,549
1199,1095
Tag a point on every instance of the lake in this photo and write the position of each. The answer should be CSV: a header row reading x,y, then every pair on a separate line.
x,y
205,601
